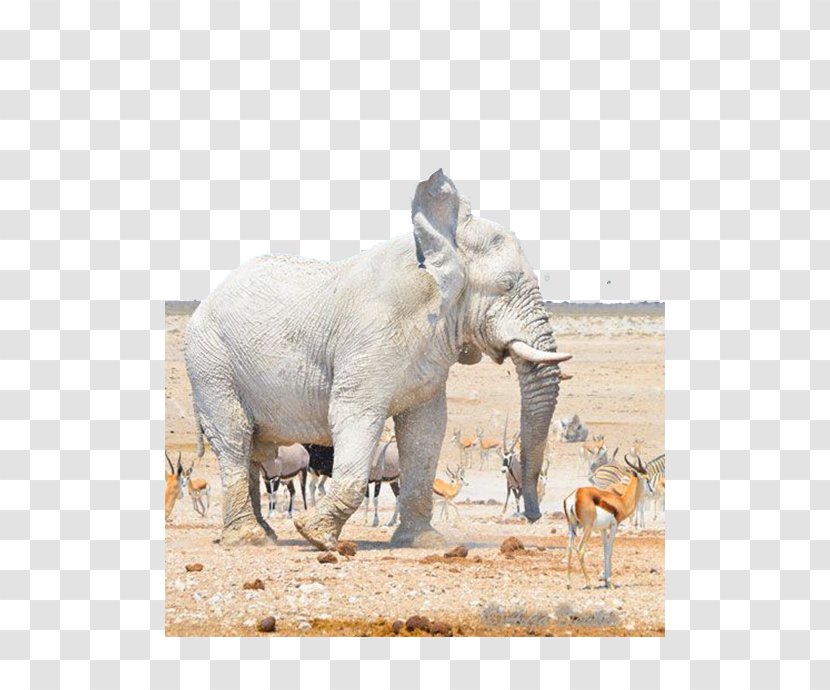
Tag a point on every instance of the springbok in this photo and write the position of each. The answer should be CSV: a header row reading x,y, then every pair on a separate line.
x,y
615,478
590,450
511,468
447,491
386,469
198,489
290,462
465,445
174,487
320,466
485,447
588,507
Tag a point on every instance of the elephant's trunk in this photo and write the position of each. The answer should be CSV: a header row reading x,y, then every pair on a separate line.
x,y
539,384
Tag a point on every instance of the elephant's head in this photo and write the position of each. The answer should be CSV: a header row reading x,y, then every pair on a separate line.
x,y
486,281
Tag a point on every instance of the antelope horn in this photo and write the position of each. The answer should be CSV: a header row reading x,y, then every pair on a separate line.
x,y
179,461
172,469
531,354
504,440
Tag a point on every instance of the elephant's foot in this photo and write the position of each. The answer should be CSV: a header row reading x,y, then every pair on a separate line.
x,y
418,538
322,524
248,531
321,532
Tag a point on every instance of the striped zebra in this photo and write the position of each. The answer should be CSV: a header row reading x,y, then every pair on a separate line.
x,y
614,477
657,473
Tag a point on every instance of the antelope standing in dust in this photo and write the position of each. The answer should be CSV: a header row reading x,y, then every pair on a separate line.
x,y
589,508
447,491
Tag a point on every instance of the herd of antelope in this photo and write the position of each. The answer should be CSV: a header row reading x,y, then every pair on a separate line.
x,y
615,491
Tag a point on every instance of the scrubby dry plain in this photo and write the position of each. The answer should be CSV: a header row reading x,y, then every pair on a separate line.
x,y
617,390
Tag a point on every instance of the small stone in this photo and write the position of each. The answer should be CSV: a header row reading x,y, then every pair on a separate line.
x,y
327,557
417,622
554,531
194,567
267,624
254,584
511,544
438,628
540,548
459,551
346,548
397,626
304,625
312,587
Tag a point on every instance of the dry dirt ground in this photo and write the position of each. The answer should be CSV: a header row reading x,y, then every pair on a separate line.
x,y
617,390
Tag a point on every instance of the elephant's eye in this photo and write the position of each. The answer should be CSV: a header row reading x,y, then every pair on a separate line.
x,y
508,282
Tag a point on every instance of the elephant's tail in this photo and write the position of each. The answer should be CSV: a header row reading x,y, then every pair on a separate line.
x,y
200,437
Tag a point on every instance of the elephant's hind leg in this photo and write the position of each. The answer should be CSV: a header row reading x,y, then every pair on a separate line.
x,y
231,436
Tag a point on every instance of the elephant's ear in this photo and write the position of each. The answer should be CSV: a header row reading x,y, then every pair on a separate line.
x,y
435,220
469,354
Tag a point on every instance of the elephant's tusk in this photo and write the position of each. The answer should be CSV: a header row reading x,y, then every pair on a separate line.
x,y
531,354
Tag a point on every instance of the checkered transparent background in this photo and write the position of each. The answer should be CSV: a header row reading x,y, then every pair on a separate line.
x,y
642,150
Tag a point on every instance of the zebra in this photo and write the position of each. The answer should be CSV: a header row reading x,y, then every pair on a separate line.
x,y
657,473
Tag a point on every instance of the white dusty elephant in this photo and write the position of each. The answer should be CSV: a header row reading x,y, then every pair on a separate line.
x,y
291,350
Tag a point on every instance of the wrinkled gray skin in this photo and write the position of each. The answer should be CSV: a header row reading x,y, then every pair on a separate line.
x,y
291,350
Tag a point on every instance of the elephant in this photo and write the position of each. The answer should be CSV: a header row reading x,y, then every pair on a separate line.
x,y
293,350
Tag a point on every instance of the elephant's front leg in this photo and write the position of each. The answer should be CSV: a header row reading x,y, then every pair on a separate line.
x,y
355,439
420,432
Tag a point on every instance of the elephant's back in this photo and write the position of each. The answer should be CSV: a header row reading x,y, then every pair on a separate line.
x,y
270,283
